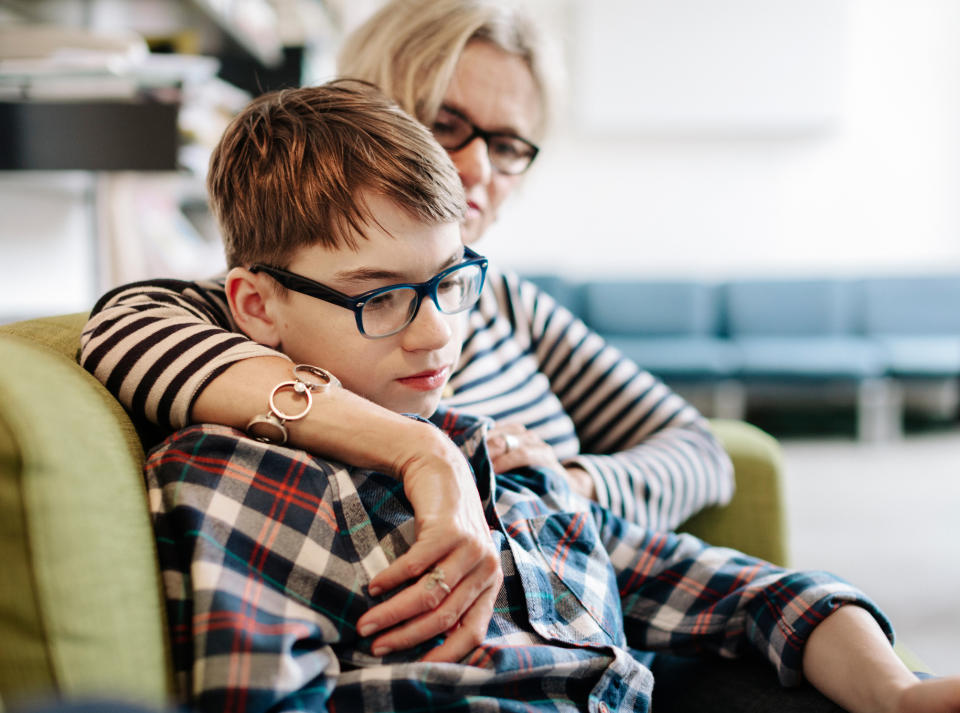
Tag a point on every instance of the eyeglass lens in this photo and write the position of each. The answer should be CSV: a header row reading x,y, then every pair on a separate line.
x,y
508,154
393,309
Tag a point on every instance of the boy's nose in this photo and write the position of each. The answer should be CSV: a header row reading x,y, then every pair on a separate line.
x,y
473,163
429,330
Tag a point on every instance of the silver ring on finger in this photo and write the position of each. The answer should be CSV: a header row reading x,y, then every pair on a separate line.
x,y
510,442
435,579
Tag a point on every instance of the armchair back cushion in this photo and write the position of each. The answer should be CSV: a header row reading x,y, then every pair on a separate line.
x,y
80,604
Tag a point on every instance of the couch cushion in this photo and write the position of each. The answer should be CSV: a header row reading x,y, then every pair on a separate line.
x,y
790,308
563,291
810,358
80,604
912,305
651,308
681,358
924,357
60,333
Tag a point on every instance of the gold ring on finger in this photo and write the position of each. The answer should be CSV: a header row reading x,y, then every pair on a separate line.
x,y
435,579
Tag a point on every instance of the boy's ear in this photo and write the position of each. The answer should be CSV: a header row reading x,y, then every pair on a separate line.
x,y
252,299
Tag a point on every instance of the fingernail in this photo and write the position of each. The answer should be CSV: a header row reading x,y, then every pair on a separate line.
x,y
375,591
367,629
382,651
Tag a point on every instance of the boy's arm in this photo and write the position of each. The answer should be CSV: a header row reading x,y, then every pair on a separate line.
x,y
680,594
248,631
267,556
165,349
847,659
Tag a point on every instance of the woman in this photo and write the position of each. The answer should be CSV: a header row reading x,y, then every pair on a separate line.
x,y
474,72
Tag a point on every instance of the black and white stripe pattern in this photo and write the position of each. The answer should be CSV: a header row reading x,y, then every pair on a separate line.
x,y
526,360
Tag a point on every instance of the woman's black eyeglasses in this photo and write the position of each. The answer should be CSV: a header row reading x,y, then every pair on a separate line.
x,y
509,154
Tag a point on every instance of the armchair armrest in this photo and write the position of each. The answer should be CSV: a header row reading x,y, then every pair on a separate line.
x,y
755,520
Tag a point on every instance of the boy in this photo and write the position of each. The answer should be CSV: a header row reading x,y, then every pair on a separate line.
x,y
272,557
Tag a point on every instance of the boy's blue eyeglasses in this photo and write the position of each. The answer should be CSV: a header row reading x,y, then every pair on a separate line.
x,y
387,310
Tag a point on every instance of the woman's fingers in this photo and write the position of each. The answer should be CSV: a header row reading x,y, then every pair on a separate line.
x,y
424,552
458,560
463,639
512,446
505,438
420,596
426,608
452,561
581,482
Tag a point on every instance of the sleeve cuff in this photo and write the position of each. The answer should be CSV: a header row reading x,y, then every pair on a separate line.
x,y
600,488
799,623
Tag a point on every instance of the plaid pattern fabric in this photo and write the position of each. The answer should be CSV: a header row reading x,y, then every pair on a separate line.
x,y
267,553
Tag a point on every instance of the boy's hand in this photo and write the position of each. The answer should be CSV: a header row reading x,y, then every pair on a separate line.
x,y
453,546
938,695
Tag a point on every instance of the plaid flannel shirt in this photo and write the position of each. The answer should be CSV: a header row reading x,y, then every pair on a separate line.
x,y
267,553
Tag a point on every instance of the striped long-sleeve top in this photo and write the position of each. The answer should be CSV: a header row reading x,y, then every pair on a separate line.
x,y
525,360
267,555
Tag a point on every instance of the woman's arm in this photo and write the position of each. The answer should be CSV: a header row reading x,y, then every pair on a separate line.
x,y
650,455
156,345
436,479
166,350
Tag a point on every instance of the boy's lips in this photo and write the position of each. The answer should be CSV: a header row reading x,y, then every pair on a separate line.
x,y
427,380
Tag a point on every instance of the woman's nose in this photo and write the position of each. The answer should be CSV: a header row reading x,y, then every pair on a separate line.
x,y
429,330
473,163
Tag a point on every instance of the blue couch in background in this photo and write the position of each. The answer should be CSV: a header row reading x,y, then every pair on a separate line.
x,y
872,342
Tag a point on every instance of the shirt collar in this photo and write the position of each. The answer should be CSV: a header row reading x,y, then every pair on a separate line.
x,y
469,434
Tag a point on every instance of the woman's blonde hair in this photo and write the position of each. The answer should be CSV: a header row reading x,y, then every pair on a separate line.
x,y
410,48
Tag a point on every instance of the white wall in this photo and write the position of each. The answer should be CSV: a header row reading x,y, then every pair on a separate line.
x,y
48,262
877,190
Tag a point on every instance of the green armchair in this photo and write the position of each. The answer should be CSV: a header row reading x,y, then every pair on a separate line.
x,y
81,610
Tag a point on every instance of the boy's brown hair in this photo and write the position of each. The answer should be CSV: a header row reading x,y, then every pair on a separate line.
x,y
289,171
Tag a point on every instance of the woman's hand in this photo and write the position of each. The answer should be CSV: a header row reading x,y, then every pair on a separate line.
x,y
453,561
512,446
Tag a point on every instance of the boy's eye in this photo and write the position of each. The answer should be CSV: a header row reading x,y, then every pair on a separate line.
x,y
384,301
451,284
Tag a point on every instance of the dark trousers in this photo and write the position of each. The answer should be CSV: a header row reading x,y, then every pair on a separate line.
x,y
714,685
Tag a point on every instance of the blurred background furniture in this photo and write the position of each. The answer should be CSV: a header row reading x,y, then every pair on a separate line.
x,y
879,345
